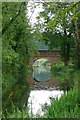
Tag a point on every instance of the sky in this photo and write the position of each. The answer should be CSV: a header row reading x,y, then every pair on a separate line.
x,y
34,8
33,11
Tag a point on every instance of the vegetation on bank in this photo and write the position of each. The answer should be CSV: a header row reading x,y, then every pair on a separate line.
x,y
65,73
17,51
65,107
16,113
68,76
68,106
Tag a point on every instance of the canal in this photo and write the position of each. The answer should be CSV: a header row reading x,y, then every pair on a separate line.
x,y
43,87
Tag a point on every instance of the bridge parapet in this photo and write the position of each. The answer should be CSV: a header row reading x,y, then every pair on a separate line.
x,y
49,55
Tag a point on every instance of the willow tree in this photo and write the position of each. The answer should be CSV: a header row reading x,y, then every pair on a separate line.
x,y
17,51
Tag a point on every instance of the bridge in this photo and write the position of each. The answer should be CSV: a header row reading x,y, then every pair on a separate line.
x,y
51,56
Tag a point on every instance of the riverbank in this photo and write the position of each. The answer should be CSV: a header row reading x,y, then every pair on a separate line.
x,y
43,85
68,105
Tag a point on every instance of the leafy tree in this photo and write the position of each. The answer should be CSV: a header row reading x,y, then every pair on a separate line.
x,y
17,51
77,34
59,20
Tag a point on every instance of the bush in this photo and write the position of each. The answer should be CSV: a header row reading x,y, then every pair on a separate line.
x,y
16,113
67,75
65,107
57,66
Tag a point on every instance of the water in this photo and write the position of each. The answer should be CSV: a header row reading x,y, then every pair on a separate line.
x,y
41,70
38,98
42,76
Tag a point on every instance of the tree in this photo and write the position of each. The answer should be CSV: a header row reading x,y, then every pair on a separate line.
x,y
17,51
77,34
58,26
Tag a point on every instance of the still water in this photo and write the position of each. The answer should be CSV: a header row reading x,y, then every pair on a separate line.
x,y
38,98
42,70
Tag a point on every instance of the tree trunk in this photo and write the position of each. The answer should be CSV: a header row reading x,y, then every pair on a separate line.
x,y
77,33
66,49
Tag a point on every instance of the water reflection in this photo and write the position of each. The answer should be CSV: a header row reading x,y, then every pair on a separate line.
x,y
42,70
42,76
38,98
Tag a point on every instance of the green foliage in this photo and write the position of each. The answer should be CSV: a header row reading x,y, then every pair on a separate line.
x,y
16,113
65,107
68,76
68,105
59,28
18,48
57,66
17,51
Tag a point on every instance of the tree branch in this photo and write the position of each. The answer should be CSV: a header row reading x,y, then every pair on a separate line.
x,y
4,29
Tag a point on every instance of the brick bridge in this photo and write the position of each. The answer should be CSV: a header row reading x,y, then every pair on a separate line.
x,y
49,55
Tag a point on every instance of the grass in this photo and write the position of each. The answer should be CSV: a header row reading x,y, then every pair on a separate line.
x,y
65,107
16,113
65,74
68,105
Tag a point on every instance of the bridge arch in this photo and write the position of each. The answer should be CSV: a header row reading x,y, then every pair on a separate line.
x,y
35,59
50,56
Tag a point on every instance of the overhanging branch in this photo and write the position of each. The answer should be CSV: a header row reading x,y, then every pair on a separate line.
x,y
4,29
